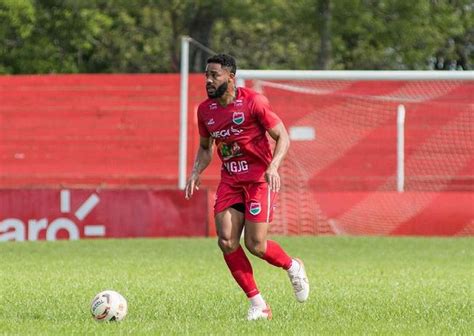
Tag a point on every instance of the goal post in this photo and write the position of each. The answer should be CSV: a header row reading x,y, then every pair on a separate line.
x,y
352,75
370,150
183,112
400,148
303,75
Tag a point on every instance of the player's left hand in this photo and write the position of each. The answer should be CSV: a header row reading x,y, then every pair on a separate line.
x,y
273,178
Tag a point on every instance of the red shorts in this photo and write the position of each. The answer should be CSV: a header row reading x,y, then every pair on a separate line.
x,y
258,199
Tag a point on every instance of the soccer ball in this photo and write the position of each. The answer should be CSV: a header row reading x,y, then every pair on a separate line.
x,y
109,306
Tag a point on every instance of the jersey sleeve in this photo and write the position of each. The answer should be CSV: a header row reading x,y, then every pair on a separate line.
x,y
203,131
264,113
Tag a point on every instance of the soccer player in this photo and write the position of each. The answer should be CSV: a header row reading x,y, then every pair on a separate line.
x,y
237,120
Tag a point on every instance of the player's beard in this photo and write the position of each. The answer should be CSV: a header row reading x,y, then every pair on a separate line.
x,y
219,92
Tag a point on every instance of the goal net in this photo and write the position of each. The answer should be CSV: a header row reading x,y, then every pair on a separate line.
x,y
341,176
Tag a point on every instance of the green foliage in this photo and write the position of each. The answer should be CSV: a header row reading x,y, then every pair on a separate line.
x,y
360,286
266,35
106,36
17,21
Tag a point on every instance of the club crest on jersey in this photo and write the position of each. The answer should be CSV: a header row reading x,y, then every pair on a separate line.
x,y
255,208
238,118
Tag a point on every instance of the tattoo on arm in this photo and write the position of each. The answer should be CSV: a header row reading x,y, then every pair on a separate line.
x,y
204,156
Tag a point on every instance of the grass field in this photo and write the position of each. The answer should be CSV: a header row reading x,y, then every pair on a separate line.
x,y
382,286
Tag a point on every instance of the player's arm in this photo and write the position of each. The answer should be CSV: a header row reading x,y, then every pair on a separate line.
x,y
203,158
280,135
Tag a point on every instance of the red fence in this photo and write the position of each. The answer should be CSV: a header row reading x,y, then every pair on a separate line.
x,y
70,130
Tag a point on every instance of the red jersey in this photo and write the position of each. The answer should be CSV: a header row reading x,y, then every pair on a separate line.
x,y
239,130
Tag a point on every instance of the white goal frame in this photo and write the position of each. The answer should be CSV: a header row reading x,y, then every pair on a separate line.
x,y
345,75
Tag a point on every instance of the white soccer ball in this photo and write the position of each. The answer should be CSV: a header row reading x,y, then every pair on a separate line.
x,y
109,306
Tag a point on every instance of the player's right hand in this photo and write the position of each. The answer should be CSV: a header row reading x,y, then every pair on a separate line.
x,y
193,183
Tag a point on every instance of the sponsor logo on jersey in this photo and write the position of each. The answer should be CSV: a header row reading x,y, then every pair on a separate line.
x,y
211,121
229,151
255,208
213,106
239,102
238,118
236,131
225,133
236,167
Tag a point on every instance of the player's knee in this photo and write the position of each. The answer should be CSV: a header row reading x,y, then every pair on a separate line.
x,y
255,246
228,245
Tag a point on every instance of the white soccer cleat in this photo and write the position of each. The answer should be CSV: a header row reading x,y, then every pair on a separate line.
x,y
257,313
300,283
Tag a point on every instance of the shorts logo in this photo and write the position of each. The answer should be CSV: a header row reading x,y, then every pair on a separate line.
x,y
255,208
238,118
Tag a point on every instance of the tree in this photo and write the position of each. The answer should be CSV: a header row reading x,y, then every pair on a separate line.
x,y
266,35
454,20
197,20
17,21
105,36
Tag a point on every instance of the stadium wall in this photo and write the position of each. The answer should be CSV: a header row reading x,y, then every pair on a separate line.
x,y
116,137
52,214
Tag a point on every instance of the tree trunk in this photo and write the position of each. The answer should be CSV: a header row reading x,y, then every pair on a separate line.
x,y
200,29
325,52
176,41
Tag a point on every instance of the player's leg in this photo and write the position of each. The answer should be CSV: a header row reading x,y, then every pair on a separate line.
x,y
259,214
229,225
229,216
257,243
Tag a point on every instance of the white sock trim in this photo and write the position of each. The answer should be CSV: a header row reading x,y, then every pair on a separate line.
x,y
295,267
258,301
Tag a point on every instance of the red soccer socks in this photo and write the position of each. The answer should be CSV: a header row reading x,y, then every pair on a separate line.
x,y
241,270
276,256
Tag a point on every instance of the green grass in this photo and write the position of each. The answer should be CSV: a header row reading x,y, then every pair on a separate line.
x,y
378,286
